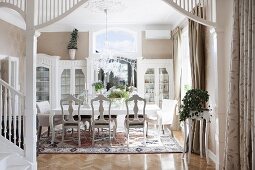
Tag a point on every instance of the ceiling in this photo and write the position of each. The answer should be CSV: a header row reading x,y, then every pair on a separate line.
x,y
137,13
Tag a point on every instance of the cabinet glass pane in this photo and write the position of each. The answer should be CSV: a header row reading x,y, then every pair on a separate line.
x,y
149,85
65,83
163,84
42,84
79,82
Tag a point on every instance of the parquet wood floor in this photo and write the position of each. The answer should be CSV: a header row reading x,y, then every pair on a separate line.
x,y
122,161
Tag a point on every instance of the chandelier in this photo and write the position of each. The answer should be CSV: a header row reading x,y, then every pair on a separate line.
x,y
105,60
109,5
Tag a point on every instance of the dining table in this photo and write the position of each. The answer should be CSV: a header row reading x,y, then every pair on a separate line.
x,y
150,109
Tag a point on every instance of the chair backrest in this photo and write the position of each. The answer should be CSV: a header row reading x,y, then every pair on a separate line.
x,y
43,107
168,110
100,99
134,100
70,100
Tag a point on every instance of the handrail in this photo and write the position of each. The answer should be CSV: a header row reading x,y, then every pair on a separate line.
x,y
12,110
11,88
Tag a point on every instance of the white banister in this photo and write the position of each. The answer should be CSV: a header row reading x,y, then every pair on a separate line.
x,y
9,114
49,12
10,100
15,120
5,111
1,107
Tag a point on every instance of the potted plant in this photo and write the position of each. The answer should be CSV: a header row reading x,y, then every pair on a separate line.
x,y
194,103
72,45
98,86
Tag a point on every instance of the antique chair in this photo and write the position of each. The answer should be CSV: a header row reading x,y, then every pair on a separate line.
x,y
68,120
167,113
46,118
84,118
135,120
101,121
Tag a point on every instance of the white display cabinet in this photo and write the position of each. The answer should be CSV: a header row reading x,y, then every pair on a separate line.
x,y
46,75
155,80
72,77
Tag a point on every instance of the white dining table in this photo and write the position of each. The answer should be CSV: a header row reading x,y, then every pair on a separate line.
x,y
150,109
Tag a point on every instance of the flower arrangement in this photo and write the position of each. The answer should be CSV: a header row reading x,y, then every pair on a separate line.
x,y
193,103
98,85
118,94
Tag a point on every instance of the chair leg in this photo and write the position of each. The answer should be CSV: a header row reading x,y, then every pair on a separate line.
x,y
163,129
115,121
144,136
147,125
63,134
48,131
39,133
79,136
93,136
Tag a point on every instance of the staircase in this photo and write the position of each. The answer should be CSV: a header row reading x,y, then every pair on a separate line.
x,y
12,155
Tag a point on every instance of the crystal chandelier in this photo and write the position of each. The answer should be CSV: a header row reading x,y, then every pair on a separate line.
x,y
109,5
105,60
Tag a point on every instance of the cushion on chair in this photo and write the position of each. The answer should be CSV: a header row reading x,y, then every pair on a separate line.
x,y
102,123
132,116
70,124
107,117
75,117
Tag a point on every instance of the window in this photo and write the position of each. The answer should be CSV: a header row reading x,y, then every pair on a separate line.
x,y
186,82
119,40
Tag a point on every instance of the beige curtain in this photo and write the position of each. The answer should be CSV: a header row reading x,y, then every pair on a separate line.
x,y
197,62
240,113
176,51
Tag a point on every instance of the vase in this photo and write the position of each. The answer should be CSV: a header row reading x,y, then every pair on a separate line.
x,y
72,53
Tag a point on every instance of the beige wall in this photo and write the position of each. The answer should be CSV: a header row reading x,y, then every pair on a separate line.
x,y
152,49
12,40
12,43
55,43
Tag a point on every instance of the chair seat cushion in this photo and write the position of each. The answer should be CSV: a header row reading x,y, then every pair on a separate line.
x,y
101,123
70,124
132,116
107,117
75,117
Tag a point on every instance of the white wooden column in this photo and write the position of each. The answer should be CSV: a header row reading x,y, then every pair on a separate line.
x,y
30,138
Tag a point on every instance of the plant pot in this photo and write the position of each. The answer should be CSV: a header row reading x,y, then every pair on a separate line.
x,y
72,53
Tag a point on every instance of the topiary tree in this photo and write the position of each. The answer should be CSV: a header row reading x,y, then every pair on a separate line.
x,y
73,41
193,103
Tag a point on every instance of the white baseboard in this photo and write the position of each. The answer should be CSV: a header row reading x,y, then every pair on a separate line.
x,y
212,156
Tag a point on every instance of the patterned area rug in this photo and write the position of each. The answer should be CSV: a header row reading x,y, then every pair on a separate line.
x,y
153,143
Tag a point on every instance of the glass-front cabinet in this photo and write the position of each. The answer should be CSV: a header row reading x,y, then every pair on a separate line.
x,y
42,84
65,83
149,85
157,80
79,81
72,77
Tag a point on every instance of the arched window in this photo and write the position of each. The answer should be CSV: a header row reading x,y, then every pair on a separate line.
x,y
119,41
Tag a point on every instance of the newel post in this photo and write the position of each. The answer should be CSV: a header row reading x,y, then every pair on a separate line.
x,y
30,138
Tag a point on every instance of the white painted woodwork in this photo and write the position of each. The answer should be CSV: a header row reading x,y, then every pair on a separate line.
x,y
70,65
143,65
51,11
186,7
51,63
8,96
